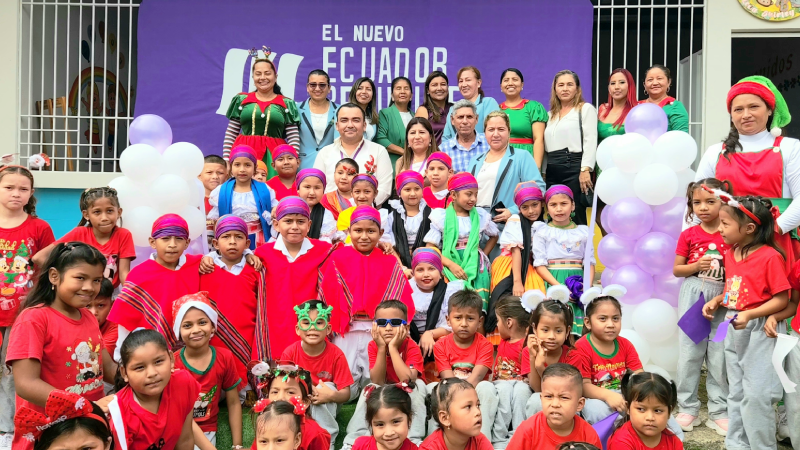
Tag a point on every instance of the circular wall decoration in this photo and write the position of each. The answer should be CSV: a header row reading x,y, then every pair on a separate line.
x,y
772,10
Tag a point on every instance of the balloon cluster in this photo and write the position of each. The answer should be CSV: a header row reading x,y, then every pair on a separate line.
x,y
159,178
644,180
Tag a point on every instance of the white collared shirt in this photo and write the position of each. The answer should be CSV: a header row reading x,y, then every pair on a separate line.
x,y
280,245
236,269
181,260
330,155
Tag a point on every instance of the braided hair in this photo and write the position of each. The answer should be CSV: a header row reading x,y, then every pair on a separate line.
x,y
91,195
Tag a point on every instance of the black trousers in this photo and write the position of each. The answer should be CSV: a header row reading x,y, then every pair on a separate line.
x,y
564,168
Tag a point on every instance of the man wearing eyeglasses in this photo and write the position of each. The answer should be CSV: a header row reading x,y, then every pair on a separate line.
x,y
317,118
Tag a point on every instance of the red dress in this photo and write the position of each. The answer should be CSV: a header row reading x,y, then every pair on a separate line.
x,y
433,201
759,174
288,284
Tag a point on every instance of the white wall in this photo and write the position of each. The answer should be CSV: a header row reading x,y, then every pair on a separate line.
x,y
9,22
725,18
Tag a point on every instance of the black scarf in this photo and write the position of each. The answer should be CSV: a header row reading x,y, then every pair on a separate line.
x,y
401,238
506,285
317,217
433,311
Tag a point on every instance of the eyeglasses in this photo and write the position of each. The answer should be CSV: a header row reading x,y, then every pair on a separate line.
x,y
320,86
386,322
319,325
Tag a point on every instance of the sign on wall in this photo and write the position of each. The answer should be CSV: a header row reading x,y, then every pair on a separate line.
x,y
193,55
772,10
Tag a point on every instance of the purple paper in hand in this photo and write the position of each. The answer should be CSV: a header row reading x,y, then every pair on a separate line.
x,y
722,329
694,324
605,428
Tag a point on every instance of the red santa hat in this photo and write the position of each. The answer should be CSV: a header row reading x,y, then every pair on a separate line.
x,y
197,300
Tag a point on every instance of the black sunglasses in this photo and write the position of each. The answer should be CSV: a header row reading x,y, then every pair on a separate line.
x,y
393,322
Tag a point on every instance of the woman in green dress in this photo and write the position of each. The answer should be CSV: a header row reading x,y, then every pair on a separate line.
x,y
657,81
393,120
262,119
528,117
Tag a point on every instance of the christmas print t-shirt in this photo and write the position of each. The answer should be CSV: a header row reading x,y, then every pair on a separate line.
x,y
119,246
694,243
512,362
605,371
219,376
330,365
17,247
449,356
755,279
409,351
626,438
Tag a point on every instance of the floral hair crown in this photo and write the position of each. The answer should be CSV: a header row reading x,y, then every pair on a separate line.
x,y
732,202
323,312
265,372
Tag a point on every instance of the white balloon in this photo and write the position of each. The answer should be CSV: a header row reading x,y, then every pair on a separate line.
x,y
666,354
627,315
196,220
613,185
141,163
130,194
676,149
605,151
169,193
685,177
652,368
632,152
656,184
139,221
642,347
655,320
183,159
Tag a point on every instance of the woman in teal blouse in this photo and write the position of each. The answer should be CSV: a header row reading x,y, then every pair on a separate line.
x,y
393,120
657,81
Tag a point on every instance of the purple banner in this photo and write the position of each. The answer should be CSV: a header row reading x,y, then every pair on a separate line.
x,y
192,54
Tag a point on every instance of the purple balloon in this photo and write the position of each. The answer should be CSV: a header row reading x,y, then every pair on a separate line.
x,y
152,130
638,282
605,277
647,119
668,218
667,287
605,216
615,252
631,218
655,253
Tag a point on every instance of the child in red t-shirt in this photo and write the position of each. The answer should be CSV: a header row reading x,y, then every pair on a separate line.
x,y
212,367
393,358
466,354
100,307
327,364
651,400
511,368
558,422
755,288
286,162
288,380
699,259
791,409
456,412
55,342
388,412
22,234
153,405
98,227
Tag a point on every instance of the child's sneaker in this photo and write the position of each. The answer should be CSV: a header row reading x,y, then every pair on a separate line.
x,y
687,421
783,424
5,441
718,425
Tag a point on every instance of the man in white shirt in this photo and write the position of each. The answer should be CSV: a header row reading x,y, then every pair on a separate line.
x,y
351,124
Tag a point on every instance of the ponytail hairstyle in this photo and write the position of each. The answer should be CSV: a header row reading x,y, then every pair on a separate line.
x,y
477,77
510,307
443,394
433,110
30,207
256,60
592,307
555,308
91,425
63,257
390,396
135,340
89,196
276,410
765,231
713,183
638,387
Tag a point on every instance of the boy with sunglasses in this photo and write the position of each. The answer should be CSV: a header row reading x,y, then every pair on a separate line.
x,y
393,358
330,373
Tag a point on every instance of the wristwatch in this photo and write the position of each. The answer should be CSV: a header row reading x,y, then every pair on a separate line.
x,y
586,169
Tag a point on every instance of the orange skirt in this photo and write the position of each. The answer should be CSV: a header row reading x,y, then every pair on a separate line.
x,y
501,268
